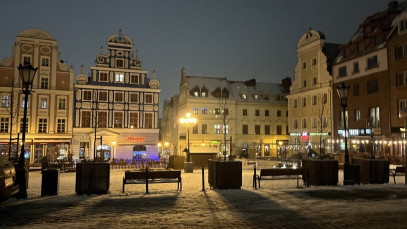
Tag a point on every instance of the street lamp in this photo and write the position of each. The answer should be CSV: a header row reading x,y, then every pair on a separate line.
x,y
112,156
162,146
343,96
27,73
187,121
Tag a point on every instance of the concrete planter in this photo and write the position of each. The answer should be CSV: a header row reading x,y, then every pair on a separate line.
x,y
225,174
373,171
188,167
92,178
320,172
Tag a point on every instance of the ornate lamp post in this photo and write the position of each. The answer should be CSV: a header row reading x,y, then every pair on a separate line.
x,y
187,121
343,96
27,73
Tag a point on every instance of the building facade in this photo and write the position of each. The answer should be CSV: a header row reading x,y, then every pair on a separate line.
x,y
116,107
369,65
50,108
310,98
238,118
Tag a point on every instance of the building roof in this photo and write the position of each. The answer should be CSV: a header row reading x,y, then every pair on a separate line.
x,y
36,34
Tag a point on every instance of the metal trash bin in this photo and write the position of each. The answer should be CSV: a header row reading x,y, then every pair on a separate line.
x,y
50,182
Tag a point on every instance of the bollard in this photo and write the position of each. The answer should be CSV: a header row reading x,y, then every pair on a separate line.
x,y
254,178
203,178
147,179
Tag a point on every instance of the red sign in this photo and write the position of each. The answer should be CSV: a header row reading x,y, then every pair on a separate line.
x,y
304,136
134,139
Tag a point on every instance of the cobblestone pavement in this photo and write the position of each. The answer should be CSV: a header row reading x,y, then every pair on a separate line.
x,y
278,204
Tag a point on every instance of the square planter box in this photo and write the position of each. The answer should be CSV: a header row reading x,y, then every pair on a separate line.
x,y
373,171
92,178
320,172
225,174
176,162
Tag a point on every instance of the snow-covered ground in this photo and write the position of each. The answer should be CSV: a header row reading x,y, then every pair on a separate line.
x,y
278,204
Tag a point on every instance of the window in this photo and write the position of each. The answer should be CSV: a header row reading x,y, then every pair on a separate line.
x,y
314,100
44,82
27,59
304,65
401,78
372,86
295,103
244,96
134,97
304,123
357,115
61,125
196,93
195,110
42,125
257,112
325,98
402,107
267,129
195,129
256,96
402,25
245,129
148,120
374,116
87,95
266,96
314,122
119,63
119,77
378,40
356,90
103,76
133,120
217,111
346,51
225,111
346,118
279,130
203,94
85,118
22,127
204,110
278,113
5,101
266,113
304,83
295,124
103,96
244,112
372,62
314,61
44,61
257,129
342,71
226,129
355,67
44,103
118,119
314,80
361,46
304,101
4,123
401,51
149,98
102,119
134,79
118,96
217,128
325,122
204,128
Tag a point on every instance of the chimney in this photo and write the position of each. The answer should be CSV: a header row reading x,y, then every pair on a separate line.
x,y
286,83
392,5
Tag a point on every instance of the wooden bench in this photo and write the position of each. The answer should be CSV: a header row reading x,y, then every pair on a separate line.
x,y
399,171
152,176
279,174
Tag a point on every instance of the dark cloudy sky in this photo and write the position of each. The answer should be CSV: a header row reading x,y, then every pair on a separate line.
x,y
237,39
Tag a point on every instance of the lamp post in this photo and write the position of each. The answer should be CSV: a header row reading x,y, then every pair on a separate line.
x,y
187,121
343,96
112,156
27,73
162,146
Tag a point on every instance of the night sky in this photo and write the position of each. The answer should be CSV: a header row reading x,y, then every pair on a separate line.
x,y
237,39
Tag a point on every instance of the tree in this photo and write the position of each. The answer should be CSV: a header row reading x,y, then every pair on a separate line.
x,y
223,113
13,111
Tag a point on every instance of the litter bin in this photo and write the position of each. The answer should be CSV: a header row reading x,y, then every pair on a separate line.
x,y
50,185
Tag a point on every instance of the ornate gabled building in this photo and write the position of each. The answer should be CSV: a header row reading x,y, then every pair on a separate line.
x,y
310,99
116,107
49,124
251,117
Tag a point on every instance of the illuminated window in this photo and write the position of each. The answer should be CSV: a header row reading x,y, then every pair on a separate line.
x,y
42,125
118,120
44,82
119,77
44,61
61,124
148,120
44,103
61,103
5,101
133,120
4,123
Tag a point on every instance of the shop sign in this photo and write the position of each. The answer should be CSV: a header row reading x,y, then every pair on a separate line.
x,y
304,136
214,142
295,134
134,139
356,132
320,134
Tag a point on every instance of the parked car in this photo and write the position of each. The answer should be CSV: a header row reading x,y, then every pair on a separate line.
x,y
8,188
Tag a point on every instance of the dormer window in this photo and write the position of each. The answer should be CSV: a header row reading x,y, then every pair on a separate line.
x,y
244,96
196,93
256,96
203,94
119,77
119,63
402,25
266,96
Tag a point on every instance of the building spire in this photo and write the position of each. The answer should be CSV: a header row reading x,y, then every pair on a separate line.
x,y
82,69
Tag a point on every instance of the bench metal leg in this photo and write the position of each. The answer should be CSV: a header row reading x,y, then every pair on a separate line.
x,y
394,178
124,182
